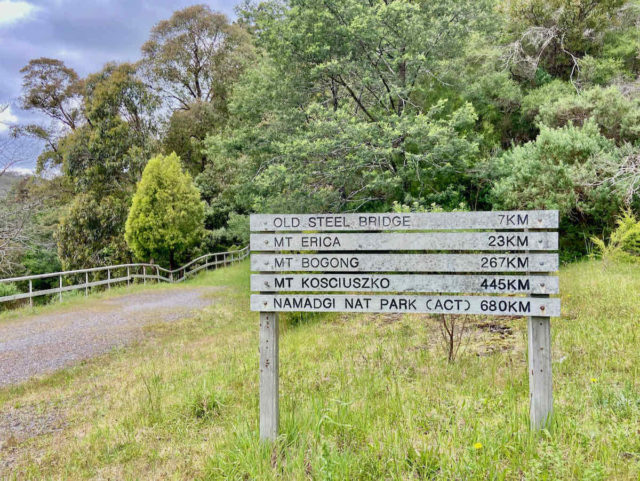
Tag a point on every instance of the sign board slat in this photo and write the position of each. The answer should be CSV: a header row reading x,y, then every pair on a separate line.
x,y
404,283
492,305
405,262
453,241
510,220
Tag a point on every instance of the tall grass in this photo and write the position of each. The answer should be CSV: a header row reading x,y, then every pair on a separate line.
x,y
362,396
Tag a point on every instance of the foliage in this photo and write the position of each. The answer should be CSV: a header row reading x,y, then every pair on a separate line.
x,y
166,216
187,131
564,169
353,105
53,89
342,164
555,34
557,171
194,56
91,232
8,289
108,153
624,242
235,234
617,116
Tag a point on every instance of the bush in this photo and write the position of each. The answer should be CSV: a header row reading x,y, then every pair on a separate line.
x,y
624,242
7,289
559,170
616,116
564,169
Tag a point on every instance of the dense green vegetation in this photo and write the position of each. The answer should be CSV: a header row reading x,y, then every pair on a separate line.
x,y
348,105
166,215
362,396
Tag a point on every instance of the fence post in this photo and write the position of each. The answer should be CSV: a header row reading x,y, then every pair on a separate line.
x,y
128,276
31,293
109,279
157,275
144,275
86,284
60,292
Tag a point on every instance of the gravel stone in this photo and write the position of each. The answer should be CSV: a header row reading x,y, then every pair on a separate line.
x,y
41,344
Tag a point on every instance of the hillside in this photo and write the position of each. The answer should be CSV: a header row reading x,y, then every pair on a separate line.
x,y
362,397
7,181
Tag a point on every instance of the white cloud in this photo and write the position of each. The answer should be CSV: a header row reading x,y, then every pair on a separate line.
x,y
6,118
21,170
14,11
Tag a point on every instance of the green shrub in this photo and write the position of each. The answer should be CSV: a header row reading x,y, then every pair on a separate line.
x,y
624,242
616,116
8,289
559,170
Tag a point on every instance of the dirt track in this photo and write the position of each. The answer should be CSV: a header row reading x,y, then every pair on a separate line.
x,y
41,344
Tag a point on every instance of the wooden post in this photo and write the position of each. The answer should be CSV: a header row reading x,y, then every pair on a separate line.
x,y
109,278
269,360
540,384
144,275
128,276
86,284
60,292
157,275
31,293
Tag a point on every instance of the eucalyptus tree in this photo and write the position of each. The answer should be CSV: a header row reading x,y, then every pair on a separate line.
x,y
194,56
192,60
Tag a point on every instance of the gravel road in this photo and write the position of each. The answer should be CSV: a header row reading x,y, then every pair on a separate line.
x,y
40,344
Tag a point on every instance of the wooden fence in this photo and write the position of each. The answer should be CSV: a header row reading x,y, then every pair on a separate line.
x,y
101,276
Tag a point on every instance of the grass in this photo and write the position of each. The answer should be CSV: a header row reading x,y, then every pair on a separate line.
x,y
362,397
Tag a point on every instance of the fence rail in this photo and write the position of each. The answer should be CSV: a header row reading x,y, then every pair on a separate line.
x,y
125,273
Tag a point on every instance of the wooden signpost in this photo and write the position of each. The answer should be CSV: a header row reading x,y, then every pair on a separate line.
x,y
312,263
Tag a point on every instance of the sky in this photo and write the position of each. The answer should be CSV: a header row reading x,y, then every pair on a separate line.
x,y
85,34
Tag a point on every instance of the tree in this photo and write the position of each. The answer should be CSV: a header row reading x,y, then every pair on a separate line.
x,y
107,154
54,89
195,55
372,56
91,232
554,35
167,215
187,131
339,111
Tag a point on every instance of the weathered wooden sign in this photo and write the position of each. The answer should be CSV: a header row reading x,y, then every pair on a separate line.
x,y
511,220
405,283
505,306
457,241
311,264
405,262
